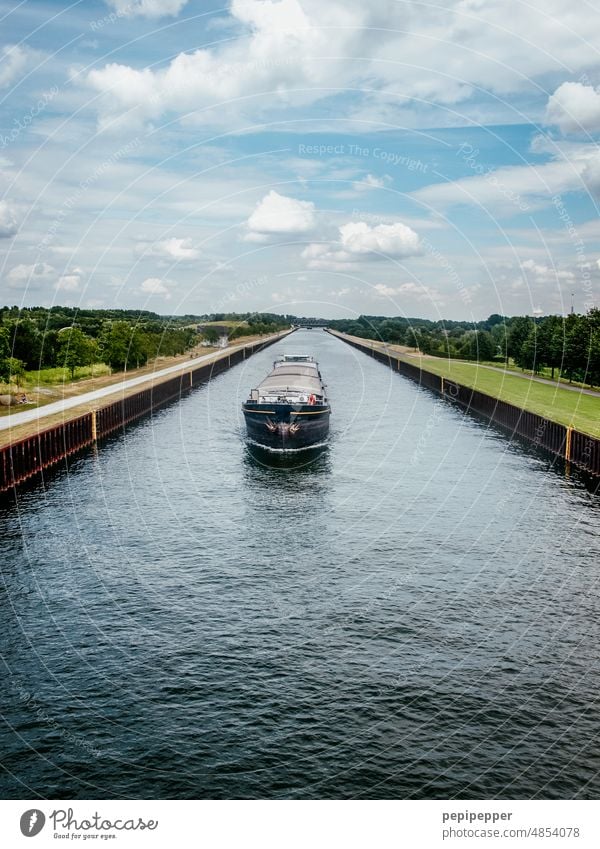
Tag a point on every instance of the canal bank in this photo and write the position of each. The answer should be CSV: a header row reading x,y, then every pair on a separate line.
x,y
564,441
85,422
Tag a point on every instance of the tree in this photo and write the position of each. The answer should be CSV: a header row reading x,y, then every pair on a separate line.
x,y
530,355
519,330
122,345
500,338
412,338
211,335
4,353
14,369
75,349
593,318
477,345
494,320
25,342
49,351
551,339
482,346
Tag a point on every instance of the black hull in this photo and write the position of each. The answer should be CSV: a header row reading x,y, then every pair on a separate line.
x,y
280,427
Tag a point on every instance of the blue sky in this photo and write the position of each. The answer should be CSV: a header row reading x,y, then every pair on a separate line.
x,y
295,156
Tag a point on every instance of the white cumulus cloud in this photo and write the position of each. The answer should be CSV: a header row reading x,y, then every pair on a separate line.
x,y
358,240
574,107
391,239
280,215
295,52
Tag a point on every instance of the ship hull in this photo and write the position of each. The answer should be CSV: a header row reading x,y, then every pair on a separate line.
x,y
286,427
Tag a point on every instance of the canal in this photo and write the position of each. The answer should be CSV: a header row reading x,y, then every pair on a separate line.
x,y
412,613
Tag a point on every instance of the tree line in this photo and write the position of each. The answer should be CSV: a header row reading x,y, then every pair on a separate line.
x,y
25,345
567,344
39,337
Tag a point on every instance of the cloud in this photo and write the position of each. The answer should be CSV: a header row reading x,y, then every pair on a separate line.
x,y
385,291
147,8
327,258
574,107
278,43
543,273
13,61
591,175
370,182
280,215
292,52
180,250
416,291
390,239
30,276
358,240
8,220
511,189
70,282
155,286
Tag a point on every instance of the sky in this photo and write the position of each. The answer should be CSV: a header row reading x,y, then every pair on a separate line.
x,y
434,160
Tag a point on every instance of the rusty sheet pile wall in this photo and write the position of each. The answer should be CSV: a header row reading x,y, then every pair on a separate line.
x,y
29,457
578,448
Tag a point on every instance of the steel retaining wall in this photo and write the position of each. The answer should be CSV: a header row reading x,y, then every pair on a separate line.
x,y
29,457
571,445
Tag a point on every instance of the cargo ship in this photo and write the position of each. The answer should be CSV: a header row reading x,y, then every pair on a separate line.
x,y
289,409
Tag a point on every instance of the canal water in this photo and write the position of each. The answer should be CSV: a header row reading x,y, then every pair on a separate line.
x,y
411,613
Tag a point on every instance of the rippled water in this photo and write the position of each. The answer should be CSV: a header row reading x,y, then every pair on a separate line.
x,y
412,612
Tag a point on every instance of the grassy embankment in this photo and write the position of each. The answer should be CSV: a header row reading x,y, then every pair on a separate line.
x,y
568,407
